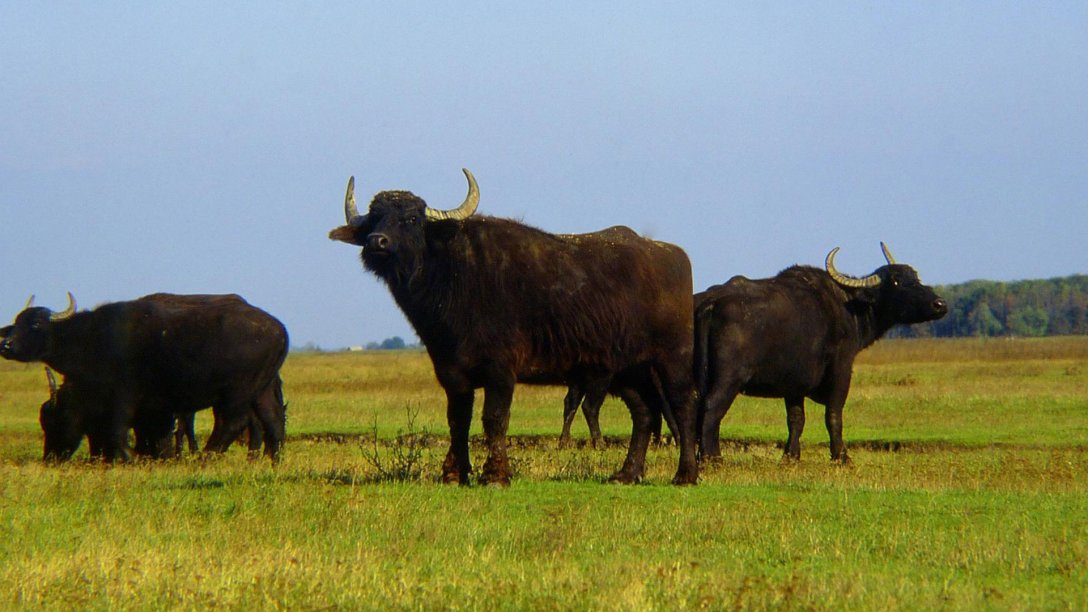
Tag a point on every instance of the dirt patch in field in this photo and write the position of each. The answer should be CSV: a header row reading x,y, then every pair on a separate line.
x,y
551,442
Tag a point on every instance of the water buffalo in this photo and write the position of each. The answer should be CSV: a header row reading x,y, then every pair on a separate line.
x,y
496,302
138,364
795,336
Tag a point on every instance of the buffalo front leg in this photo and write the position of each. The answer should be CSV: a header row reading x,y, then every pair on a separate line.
x,y
833,420
497,397
458,465
795,423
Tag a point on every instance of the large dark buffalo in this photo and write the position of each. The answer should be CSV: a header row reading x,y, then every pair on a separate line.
x,y
795,336
137,364
497,302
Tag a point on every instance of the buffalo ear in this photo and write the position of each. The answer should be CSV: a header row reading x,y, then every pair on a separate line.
x,y
349,234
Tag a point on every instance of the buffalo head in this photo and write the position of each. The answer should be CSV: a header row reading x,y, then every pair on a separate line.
x,y
898,292
27,339
395,230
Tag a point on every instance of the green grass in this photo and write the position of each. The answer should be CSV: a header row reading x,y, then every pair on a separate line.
x,y
968,490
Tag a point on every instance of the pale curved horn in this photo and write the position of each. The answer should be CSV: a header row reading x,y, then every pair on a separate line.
x,y
29,303
67,312
465,210
887,254
52,383
351,211
848,281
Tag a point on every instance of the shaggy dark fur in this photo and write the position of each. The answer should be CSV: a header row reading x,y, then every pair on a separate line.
x,y
497,302
794,336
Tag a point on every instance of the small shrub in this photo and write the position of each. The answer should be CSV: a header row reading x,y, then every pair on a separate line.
x,y
406,455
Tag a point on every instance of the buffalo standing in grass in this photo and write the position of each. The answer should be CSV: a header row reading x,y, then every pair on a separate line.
x,y
795,336
137,364
496,302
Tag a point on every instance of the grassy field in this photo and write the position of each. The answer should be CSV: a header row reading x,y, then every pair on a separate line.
x,y
968,490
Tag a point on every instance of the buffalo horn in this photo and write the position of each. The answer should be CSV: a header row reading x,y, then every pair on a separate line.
x,y
351,211
29,303
848,281
67,312
465,210
887,254
52,383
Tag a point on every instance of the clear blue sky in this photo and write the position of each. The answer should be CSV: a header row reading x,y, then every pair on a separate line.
x,y
200,147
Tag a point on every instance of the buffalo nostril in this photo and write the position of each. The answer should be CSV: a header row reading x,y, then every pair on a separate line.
x,y
940,305
377,242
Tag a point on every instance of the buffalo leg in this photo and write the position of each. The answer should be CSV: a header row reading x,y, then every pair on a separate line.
x,y
713,409
679,397
591,409
230,421
185,432
255,434
457,466
497,398
833,420
116,446
270,416
641,420
571,401
795,423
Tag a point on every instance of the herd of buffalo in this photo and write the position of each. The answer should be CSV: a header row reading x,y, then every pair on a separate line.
x,y
495,302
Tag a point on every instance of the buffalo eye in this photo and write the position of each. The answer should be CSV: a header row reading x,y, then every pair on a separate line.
x,y
413,220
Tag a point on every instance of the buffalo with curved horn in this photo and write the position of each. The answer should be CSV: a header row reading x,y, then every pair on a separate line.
x,y
795,336
497,302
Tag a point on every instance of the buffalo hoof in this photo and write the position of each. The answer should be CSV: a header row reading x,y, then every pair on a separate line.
x,y
711,460
685,480
495,476
622,477
503,483
565,443
842,460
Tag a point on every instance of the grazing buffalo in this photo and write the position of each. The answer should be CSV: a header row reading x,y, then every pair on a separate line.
x,y
795,336
72,412
497,302
138,364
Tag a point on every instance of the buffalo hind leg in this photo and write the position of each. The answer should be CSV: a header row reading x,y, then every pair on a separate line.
x,y
498,394
457,466
713,409
591,409
641,421
795,423
574,396
679,397
271,417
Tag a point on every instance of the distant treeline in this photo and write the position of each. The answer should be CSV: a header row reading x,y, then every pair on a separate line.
x,y
1052,307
